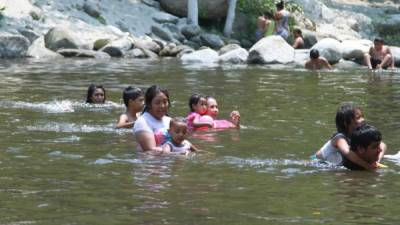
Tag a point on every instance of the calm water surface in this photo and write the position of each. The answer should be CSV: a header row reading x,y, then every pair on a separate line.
x,y
62,161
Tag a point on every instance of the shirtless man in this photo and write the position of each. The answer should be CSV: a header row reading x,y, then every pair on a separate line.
x,y
261,27
316,62
379,56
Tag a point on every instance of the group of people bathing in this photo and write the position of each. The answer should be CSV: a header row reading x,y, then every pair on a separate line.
x,y
356,144
378,57
156,132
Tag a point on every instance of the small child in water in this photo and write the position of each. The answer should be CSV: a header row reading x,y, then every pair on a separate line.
x,y
96,94
348,117
198,108
178,130
134,101
212,113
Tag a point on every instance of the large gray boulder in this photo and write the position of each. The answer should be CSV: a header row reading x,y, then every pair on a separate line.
x,y
271,50
39,51
396,54
190,31
59,38
28,33
228,48
202,56
117,47
163,17
147,43
168,32
355,49
208,9
13,46
211,40
347,64
330,49
235,56
301,56
310,38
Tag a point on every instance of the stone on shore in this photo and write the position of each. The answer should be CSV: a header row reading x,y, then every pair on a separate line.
x,y
201,56
301,56
39,51
330,49
83,53
59,38
190,31
396,54
117,47
236,56
271,50
355,49
228,48
13,46
163,17
208,9
212,40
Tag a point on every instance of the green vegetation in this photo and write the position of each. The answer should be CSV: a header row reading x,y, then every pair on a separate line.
x,y
254,8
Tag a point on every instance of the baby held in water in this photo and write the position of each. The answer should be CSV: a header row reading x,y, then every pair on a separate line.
x,y
212,113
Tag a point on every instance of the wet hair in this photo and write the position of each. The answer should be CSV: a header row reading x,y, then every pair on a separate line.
x,y
345,115
151,93
268,14
92,88
363,136
194,99
314,54
131,93
176,120
379,40
280,5
298,31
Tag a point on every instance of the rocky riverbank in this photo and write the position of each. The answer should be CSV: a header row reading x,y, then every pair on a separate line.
x,y
142,29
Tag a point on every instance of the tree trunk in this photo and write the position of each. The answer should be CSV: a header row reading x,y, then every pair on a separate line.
x,y
230,17
193,12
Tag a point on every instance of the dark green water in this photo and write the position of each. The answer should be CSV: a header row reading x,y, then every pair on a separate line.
x,y
62,162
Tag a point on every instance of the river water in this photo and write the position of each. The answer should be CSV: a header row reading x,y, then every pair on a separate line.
x,y
62,161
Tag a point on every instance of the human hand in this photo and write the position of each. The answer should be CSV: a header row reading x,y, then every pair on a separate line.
x,y
235,117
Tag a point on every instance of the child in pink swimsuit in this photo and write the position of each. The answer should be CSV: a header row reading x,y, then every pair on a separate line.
x,y
212,112
198,108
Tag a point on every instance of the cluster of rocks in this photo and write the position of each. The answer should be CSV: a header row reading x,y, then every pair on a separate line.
x,y
55,29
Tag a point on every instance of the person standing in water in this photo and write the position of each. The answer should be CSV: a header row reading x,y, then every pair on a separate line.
x,y
134,102
282,21
96,94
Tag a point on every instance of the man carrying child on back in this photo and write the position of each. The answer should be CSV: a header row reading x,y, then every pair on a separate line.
x,y
366,143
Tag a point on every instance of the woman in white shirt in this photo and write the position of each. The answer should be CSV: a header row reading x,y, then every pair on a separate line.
x,y
151,128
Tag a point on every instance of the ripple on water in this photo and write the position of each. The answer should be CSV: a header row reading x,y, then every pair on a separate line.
x,y
73,128
287,167
56,106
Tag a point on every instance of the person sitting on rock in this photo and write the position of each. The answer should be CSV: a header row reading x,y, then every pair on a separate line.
x,y
316,62
298,39
379,56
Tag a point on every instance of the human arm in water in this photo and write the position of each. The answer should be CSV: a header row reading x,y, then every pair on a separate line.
x,y
147,142
124,122
344,148
235,118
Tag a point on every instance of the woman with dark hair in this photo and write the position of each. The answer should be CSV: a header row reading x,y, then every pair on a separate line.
x,y
96,94
151,128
